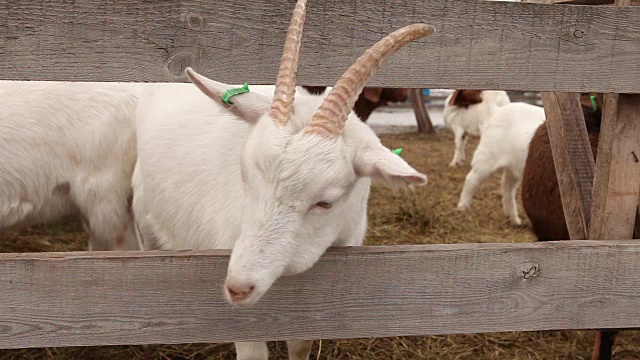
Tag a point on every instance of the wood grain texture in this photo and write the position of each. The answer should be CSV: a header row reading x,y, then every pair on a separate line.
x,y
572,2
64,299
575,2
420,110
627,2
572,159
478,45
636,231
617,176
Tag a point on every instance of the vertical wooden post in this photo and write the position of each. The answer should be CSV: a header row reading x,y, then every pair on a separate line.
x,y
616,190
572,158
636,231
617,179
422,115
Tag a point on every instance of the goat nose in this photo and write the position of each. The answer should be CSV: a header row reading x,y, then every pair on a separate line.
x,y
239,291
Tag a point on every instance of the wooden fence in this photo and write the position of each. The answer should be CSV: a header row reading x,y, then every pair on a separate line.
x,y
110,298
174,297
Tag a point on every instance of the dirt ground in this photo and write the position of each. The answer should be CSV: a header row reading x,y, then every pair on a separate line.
x,y
424,216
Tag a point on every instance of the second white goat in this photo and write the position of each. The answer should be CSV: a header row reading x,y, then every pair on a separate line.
x,y
504,146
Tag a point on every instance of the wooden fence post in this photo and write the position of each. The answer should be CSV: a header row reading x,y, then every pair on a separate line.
x,y
617,177
422,115
572,158
616,180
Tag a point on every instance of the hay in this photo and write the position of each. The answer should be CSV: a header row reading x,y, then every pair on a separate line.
x,y
420,216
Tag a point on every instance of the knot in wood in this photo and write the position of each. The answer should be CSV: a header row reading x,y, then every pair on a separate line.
x,y
176,64
530,271
193,21
579,34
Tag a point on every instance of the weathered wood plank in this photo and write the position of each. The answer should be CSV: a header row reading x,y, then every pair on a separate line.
x,y
572,159
574,2
636,231
494,45
617,177
627,2
109,298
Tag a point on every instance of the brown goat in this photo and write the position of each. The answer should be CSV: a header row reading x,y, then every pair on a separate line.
x,y
540,189
543,205
370,99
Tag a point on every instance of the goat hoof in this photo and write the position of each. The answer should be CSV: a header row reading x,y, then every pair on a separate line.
x,y
462,207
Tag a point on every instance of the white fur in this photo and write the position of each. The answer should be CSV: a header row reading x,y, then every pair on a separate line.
x,y
209,179
470,120
503,146
68,148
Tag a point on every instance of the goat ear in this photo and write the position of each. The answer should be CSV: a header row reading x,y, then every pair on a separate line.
x,y
381,164
248,106
585,100
454,97
372,94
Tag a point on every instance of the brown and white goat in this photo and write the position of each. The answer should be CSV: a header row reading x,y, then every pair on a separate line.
x,y
466,112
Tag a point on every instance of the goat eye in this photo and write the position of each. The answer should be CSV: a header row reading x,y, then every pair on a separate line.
x,y
324,204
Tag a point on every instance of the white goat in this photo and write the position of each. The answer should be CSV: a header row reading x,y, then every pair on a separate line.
x,y
466,112
277,181
68,148
504,145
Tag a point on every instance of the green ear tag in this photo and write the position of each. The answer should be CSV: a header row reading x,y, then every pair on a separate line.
x,y
227,95
397,151
594,104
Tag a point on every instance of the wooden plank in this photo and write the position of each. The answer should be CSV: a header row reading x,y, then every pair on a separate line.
x,y
585,2
478,44
617,178
67,299
581,2
422,115
627,2
540,1
636,231
572,2
616,158
572,159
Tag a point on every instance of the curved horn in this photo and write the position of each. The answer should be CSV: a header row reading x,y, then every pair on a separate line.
x,y
286,81
330,117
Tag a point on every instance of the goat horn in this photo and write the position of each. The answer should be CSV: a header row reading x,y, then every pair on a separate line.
x,y
282,103
331,116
